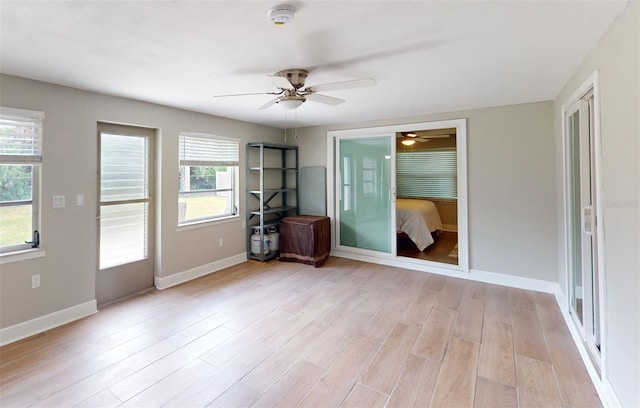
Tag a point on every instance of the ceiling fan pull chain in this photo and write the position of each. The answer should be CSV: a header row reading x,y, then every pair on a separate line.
x,y
295,123
285,126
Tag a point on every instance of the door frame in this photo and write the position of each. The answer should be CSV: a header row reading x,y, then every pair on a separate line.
x,y
391,259
592,84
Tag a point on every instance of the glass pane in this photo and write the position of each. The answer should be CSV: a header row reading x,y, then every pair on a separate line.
x,y
198,206
16,184
573,128
15,224
197,198
123,167
123,234
196,178
365,210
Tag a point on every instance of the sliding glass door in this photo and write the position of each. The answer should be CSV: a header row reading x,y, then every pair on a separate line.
x,y
362,194
365,192
584,280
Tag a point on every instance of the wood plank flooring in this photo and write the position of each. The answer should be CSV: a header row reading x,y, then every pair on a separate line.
x,y
349,334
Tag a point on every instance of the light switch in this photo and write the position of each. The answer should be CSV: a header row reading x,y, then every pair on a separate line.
x,y
58,201
79,200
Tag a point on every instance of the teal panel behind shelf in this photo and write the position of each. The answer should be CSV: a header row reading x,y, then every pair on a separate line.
x,y
313,191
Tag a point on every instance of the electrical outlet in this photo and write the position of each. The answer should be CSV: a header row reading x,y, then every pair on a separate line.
x,y
220,242
35,281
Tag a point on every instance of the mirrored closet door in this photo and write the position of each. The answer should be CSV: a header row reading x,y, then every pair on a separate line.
x,y
365,192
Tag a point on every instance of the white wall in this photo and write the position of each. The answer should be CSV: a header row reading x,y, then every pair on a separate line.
x,y
511,178
617,59
70,167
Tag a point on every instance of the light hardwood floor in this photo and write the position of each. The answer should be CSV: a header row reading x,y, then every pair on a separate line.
x,y
349,334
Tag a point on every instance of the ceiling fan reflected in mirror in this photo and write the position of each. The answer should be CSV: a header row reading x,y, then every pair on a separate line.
x,y
292,93
410,138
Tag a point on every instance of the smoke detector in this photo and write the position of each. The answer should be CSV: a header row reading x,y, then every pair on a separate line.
x,y
282,14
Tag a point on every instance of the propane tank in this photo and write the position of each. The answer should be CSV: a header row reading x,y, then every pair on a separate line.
x,y
274,238
255,243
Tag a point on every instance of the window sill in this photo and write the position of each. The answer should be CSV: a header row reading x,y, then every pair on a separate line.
x,y
207,223
24,255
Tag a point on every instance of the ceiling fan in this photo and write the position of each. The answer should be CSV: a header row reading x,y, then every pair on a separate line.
x,y
409,138
292,93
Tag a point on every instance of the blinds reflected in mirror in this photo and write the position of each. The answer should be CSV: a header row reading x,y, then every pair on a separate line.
x,y
430,174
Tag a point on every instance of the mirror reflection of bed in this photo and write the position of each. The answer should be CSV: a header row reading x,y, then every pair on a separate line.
x,y
426,184
421,234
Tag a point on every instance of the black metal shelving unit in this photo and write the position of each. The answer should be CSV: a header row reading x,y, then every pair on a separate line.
x,y
272,192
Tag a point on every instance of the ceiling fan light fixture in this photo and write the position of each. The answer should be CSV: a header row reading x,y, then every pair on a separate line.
x,y
291,102
281,14
408,142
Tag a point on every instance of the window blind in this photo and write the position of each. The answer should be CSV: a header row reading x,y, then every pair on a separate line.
x,y
430,173
123,167
208,150
20,136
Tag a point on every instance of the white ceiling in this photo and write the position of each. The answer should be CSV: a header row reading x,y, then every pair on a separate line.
x,y
426,56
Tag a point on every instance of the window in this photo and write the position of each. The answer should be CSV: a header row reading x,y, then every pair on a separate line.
x,y
369,175
208,179
346,182
20,160
430,173
126,190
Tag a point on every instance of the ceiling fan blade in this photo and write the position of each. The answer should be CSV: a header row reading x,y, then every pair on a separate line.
x,y
355,83
421,140
281,82
247,94
269,104
327,100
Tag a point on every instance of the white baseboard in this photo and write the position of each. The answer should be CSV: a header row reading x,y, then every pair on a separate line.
x,y
186,276
602,386
455,271
450,227
513,281
39,324
610,397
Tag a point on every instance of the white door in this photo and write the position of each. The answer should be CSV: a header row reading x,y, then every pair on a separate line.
x,y
582,220
125,213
